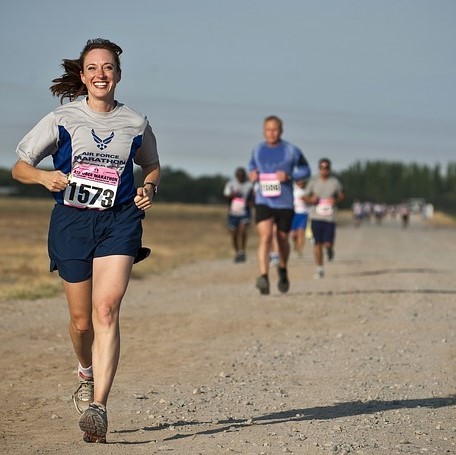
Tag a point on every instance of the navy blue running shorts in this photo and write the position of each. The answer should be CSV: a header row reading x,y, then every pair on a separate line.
x,y
282,217
77,236
323,231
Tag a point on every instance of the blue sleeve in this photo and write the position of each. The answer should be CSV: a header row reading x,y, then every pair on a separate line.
x,y
302,168
252,163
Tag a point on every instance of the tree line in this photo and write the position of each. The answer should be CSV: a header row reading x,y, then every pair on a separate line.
x,y
175,186
375,181
395,182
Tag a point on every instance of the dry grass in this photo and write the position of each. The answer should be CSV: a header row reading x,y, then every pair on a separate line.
x,y
176,233
442,220
24,266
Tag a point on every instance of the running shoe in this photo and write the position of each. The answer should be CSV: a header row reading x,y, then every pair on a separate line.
x,y
240,256
262,283
330,252
284,282
274,259
94,424
319,274
84,393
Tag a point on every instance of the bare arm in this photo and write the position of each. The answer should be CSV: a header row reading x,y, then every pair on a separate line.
x,y
144,194
253,175
52,180
340,197
310,199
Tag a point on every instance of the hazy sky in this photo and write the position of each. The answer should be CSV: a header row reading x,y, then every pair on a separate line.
x,y
352,79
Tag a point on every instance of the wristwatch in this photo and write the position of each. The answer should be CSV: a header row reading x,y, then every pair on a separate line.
x,y
154,187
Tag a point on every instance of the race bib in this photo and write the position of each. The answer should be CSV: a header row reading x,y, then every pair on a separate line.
x,y
238,206
325,207
270,185
92,187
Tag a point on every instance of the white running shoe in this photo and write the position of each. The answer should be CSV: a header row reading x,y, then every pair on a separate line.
x,y
84,393
319,274
274,259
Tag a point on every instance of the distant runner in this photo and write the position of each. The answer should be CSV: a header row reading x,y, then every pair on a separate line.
x,y
323,192
299,225
239,192
274,165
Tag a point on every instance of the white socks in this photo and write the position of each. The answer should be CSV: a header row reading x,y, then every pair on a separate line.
x,y
86,372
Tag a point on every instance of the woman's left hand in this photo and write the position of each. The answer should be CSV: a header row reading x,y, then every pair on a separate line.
x,y
143,198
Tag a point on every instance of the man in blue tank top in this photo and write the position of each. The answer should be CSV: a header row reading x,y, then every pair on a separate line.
x,y
273,166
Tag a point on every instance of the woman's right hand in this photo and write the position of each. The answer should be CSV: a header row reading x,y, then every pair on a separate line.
x,y
26,173
54,181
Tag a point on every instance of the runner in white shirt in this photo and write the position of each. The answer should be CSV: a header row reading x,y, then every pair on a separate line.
x,y
95,230
239,193
299,224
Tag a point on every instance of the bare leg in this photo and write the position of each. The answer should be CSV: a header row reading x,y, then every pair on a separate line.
x,y
243,228
79,297
318,254
264,229
234,239
274,243
110,280
299,241
284,248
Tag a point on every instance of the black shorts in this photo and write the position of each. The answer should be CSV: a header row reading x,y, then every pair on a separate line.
x,y
77,236
283,218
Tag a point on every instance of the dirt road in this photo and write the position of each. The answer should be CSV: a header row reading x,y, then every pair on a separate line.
x,y
361,362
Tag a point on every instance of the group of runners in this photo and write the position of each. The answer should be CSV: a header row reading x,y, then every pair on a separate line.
x,y
282,192
95,232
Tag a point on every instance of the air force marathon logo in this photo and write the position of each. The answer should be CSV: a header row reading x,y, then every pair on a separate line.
x,y
102,143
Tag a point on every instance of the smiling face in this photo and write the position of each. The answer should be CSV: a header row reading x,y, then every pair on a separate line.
x,y
100,74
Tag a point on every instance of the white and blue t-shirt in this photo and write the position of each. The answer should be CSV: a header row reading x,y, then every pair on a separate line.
x,y
74,135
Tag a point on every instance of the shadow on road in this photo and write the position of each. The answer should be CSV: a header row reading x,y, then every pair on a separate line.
x,y
335,411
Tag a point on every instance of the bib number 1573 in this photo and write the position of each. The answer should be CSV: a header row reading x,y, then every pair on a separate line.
x,y
92,187
90,196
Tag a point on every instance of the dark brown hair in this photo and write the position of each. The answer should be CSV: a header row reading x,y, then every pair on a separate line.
x,y
69,85
324,160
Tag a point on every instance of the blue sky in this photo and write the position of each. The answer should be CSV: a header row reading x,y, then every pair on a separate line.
x,y
352,79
